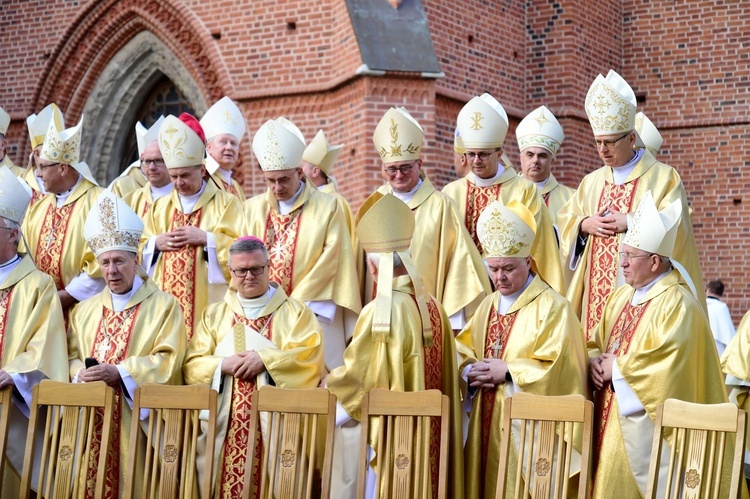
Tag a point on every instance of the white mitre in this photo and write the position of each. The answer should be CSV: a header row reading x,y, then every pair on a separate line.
x,y
506,231
648,133
14,196
482,123
278,145
540,128
652,230
38,124
319,153
4,121
144,136
398,136
65,147
179,145
224,117
112,225
610,105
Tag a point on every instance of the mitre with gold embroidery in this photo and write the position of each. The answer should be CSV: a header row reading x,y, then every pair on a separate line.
x,y
398,136
179,144
14,196
319,153
65,147
482,123
111,225
38,124
278,145
224,117
648,133
506,231
540,128
652,230
610,105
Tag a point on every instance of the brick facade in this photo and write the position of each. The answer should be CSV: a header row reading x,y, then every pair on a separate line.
x,y
686,61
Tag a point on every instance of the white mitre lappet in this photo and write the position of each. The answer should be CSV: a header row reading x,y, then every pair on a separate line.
x,y
319,153
655,231
143,137
14,196
506,231
278,145
648,133
65,147
4,121
398,136
38,124
179,145
540,128
112,225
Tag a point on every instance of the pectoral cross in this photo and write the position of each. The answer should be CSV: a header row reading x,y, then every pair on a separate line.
x,y
278,250
103,348
49,239
615,345
498,348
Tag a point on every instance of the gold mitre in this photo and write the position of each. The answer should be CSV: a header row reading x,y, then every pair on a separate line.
x,y
224,117
144,136
398,136
180,146
482,123
506,231
610,105
652,230
648,133
38,124
319,153
14,196
387,226
540,128
278,145
111,225
4,121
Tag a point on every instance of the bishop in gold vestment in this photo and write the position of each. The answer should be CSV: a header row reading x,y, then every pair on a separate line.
x,y
735,363
224,125
276,336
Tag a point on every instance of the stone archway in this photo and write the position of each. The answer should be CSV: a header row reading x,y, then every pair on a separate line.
x,y
119,94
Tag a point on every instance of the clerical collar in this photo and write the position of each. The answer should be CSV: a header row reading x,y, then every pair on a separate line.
x,y
406,197
506,302
7,267
160,192
119,302
62,198
253,306
540,185
641,293
712,298
188,202
226,175
486,182
285,207
620,173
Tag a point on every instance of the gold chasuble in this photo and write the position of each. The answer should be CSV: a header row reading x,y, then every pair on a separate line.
x,y
598,273
403,363
331,189
131,180
234,188
32,338
555,195
55,235
184,273
308,248
451,268
736,363
148,340
292,356
540,340
15,170
471,200
664,349
30,177
140,201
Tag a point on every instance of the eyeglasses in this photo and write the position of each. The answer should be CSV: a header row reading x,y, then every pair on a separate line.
x,y
156,162
607,143
481,156
404,169
628,256
42,167
252,270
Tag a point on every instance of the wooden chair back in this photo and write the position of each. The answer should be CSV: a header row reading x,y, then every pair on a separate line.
x,y
698,453
547,426
171,436
289,457
5,402
68,431
404,431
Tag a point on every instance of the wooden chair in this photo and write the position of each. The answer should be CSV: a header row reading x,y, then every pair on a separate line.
x,y
697,454
5,402
173,426
403,453
68,430
546,436
292,424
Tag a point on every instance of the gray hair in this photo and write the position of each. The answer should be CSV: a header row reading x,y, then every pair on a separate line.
x,y
10,224
247,245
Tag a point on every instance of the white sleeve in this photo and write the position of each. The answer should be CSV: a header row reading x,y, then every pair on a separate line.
x,y
82,286
324,309
627,400
148,255
130,386
215,275
458,320
25,383
732,381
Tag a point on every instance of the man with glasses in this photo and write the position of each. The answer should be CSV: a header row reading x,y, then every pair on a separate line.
x,y
483,124
152,165
653,343
188,232
257,335
54,225
135,176
594,221
305,231
38,125
448,263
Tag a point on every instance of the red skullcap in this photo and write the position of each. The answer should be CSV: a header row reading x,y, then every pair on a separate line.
x,y
194,125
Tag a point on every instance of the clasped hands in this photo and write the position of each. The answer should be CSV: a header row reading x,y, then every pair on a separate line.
x,y
244,365
600,369
606,222
186,235
487,374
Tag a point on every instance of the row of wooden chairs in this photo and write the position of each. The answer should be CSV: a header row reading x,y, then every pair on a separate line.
x,y
291,460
